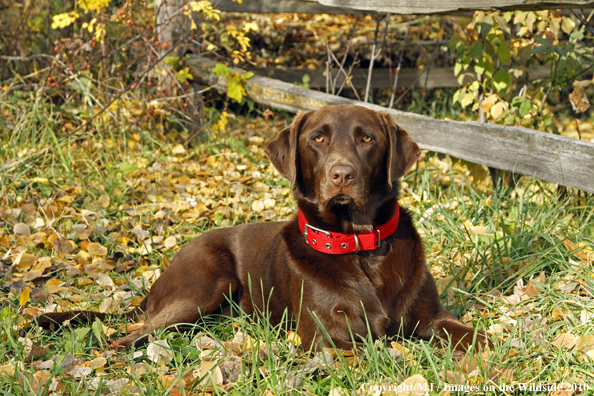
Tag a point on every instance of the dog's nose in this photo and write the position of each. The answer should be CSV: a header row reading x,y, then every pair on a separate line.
x,y
342,175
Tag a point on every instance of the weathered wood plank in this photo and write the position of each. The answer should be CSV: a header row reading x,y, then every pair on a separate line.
x,y
440,6
557,159
281,6
439,77
403,7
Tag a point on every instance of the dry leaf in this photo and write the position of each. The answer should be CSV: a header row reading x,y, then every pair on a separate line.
x,y
478,230
96,363
400,348
104,280
535,284
412,386
454,377
24,298
565,340
31,275
25,260
209,372
21,229
80,372
488,102
563,389
338,392
294,338
179,149
558,315
585,343
159,352
579,100
103,201
170,242
96,249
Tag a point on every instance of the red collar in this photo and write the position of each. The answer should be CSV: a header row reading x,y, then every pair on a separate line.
x,y
339,243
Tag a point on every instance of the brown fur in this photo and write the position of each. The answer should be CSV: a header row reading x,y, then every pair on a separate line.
x,y
387,290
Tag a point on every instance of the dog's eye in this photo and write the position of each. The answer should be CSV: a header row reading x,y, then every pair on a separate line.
x,y
366,139
319,139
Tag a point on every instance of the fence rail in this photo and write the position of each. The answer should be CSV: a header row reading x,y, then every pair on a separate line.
x,y
438,77
557,159
403,7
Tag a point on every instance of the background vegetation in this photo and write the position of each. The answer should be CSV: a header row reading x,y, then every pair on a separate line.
x,y
106,173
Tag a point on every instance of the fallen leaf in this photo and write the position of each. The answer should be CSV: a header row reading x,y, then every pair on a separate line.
x,y
209,372
159,352
170,242
585,343
96,249
563,389
338,392
412,386
534,285
294,338
400,348
96,363
7,370
179,149
230,369
103,201
80,372
565,341
31,275
24,260
21,229
24,297
579,100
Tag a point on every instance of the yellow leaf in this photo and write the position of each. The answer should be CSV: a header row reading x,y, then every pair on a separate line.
x,y
487,103
565,340
103,201
497,110
24,298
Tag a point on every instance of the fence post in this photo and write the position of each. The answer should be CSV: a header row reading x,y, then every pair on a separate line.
x,y
173,25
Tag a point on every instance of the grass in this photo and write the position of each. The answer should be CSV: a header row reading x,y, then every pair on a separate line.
x,y
480,244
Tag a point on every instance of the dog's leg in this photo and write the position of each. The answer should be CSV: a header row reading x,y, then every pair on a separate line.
x,y
179,306
460,335
427,318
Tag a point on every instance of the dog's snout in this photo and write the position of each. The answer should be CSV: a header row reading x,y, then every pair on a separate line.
x,y
342,175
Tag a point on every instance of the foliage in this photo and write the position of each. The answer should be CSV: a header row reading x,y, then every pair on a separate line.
x,y
101,218
235,89
490,47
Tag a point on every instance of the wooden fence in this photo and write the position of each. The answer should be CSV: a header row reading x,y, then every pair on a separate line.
x,y
393,6
436,77
557,159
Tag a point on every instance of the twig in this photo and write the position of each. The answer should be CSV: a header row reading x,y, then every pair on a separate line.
x,y
346,53
346,76
583,21
182,96
374,55
395,85
75,78
12,164
429,71
355,62
329,83
425,70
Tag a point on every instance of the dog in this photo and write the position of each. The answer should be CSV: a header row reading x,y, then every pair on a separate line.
x,y
351,261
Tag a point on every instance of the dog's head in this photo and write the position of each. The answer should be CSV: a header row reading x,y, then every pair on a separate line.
x,y
342,156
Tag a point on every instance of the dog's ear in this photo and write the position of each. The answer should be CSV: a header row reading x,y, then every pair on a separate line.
x,y
283,151
402,150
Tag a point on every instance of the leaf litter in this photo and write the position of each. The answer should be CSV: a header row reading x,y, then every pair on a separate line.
x,y
100,246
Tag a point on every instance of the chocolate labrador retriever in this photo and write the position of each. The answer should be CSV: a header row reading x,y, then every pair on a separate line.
x,y
350,261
